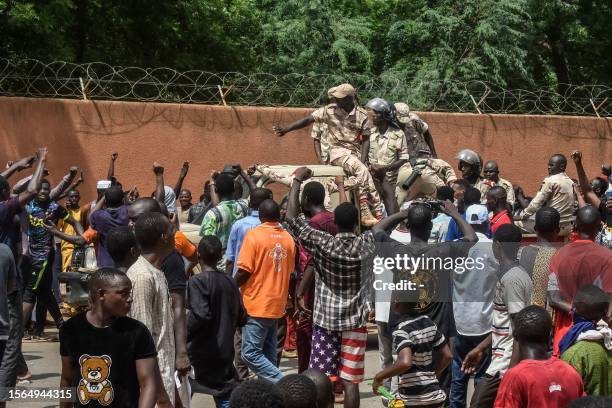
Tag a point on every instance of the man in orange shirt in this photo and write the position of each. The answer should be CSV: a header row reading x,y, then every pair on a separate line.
x,y
265,263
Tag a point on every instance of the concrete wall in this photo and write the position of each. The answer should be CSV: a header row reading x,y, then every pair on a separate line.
x,y
85,133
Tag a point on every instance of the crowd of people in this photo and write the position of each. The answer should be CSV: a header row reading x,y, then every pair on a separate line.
x,y
510,290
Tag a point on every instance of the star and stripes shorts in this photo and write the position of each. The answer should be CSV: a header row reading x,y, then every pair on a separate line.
x,y
339,353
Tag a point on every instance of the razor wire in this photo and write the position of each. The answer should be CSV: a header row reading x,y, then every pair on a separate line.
x,y
101,81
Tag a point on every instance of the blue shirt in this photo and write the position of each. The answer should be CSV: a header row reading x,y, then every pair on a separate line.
x,y
239,229
41,241
454,232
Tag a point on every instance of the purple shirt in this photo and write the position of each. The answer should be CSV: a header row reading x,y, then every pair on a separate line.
x,y
9,226
103,221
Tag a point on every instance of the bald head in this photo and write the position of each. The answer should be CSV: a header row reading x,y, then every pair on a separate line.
x,y
557,164
141,206
491,170
588,221
269,211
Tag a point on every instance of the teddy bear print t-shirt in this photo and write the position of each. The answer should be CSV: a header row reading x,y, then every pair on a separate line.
x,y
104,360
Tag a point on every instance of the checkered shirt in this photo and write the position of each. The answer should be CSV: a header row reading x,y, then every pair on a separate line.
x,y
340,297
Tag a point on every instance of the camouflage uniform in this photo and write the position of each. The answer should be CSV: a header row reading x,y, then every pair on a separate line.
x,y
414,130
434,173
387,148
329,184
343,134
319,132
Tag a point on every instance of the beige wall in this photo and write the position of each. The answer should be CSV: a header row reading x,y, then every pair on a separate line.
x,y
84,133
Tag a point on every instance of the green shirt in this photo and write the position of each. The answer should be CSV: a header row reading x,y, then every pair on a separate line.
x,y
219,220
594,364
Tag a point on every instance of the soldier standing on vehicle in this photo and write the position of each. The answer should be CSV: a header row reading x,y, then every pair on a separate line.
x,y
416,130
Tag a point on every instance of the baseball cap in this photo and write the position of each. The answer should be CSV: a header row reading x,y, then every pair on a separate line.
x,y
342,91
103,184
477,214
402,112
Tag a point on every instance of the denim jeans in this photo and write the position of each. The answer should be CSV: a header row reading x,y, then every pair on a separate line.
x,y
461,347
221,402
259,347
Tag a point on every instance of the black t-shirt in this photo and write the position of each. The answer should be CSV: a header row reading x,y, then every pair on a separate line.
x,y
173,268
436,276
104,359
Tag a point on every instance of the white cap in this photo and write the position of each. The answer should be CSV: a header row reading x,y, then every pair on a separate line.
x,y
103,184
477,214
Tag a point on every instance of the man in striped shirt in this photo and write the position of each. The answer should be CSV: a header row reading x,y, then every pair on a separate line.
x,y
512,294
414,341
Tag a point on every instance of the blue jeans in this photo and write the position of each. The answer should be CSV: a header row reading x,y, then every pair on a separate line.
x,y
259,347
221,402
459,384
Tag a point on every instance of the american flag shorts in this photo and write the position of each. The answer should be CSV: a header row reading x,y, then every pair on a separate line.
x,y
339,353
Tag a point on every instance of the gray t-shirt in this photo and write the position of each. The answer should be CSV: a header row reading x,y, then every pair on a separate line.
x,y
512,294
8,285
474,289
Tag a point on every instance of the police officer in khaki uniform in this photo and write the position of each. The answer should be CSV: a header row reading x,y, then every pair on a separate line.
x,y
470,164
387,143
347,127
492,179
557,191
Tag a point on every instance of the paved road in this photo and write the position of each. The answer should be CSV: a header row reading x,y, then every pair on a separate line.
x,y
44,363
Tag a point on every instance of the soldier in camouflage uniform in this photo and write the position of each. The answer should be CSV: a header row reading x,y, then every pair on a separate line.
x,y
347,127
418,137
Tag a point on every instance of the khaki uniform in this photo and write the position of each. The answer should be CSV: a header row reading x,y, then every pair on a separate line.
x,y
502,183
329,185
319,132
557,191
387,148
343,134
434,173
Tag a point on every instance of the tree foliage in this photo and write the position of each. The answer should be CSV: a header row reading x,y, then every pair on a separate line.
x,y
430,43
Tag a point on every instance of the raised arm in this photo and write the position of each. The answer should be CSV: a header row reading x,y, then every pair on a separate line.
x,y
246,177
19,165
293,205
430,142
214,197
298,124
466,229
587,192
74,185
63,185
111,166
179,183
160,194
34,183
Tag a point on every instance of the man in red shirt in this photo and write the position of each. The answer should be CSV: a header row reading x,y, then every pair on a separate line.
x,y
577,264
497,202
537,380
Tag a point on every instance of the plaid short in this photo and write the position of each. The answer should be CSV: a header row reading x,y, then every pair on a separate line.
x,y
339,354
